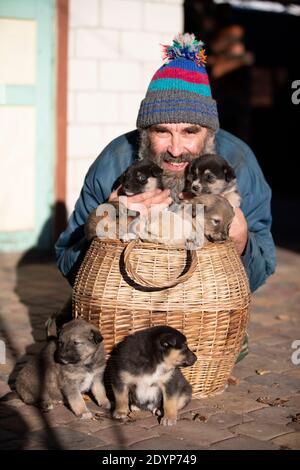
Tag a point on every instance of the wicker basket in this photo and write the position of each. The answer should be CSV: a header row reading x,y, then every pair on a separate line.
x,y
122,288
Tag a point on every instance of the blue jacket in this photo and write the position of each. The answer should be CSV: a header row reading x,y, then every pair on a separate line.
x,y
259,256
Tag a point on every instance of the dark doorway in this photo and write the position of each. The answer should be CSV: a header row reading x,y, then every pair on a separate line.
x,y
272,120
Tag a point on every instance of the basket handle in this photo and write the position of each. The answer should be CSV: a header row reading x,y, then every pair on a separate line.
x,y
183,276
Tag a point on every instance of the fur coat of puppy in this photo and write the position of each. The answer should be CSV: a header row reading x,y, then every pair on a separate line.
x,y
212,174
144,373
182,226
218,215
64,369
140,177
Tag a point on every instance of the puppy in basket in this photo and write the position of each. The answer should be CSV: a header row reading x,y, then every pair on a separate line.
x,y
218,216
140,177
144,373
65,368
184,225
212,174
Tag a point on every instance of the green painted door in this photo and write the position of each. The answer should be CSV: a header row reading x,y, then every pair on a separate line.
x,y
27,86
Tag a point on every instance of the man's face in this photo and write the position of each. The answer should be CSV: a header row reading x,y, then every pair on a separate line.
x,y
173,146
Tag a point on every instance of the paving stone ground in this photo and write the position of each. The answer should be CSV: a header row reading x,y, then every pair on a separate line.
x,y
260,412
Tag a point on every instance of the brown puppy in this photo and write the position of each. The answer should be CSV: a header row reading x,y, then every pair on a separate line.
x,y
184,226
218,215
145,374
64,369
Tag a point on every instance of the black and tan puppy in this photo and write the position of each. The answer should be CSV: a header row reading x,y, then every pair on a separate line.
x,y
64,369
144,372
212,174
140,177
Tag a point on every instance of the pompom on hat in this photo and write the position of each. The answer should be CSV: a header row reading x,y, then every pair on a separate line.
x,y
179,91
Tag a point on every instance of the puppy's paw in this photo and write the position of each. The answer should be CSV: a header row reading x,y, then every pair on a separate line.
x,y
46,406
165,421
156,412
127,237
191,245
121,415
86,415
104,403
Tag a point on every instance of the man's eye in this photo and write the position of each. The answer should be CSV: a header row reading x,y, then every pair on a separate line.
x,y
76,342
161,131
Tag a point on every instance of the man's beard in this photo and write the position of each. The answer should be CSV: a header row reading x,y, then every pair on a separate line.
x,y
173,180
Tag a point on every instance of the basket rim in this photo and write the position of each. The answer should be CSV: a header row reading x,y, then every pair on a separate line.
x,y
162,246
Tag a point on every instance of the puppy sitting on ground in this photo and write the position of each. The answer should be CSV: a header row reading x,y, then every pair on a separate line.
x,y
140,177
144,373
66,367
212,174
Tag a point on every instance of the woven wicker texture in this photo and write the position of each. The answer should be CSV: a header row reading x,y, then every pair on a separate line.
x,y
209,304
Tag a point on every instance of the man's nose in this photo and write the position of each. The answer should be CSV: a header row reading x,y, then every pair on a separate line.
x,y
175,147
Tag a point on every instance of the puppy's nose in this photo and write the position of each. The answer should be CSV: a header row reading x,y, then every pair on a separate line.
x,y
196,187
191,358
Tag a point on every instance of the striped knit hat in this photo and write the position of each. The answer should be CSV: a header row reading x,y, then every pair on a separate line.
x,y
180,91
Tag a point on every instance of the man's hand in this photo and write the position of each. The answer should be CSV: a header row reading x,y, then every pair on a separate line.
x,y
239,231
142,202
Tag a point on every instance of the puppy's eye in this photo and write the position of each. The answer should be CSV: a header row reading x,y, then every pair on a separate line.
x,y
209,177
141,178
76,342
215,222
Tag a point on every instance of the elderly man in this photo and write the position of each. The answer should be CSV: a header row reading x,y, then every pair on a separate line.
x,y
178,121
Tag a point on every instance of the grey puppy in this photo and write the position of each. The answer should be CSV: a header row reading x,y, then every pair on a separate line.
x,y
64,368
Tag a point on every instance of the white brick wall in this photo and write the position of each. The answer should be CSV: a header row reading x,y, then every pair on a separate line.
x,y
82,75
121,14
114,50
84,13
96,43
160,17
97,108
120,75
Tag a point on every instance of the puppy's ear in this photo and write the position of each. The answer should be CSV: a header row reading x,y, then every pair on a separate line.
x,y
156,171
167,340
95,337
228,172
188,173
